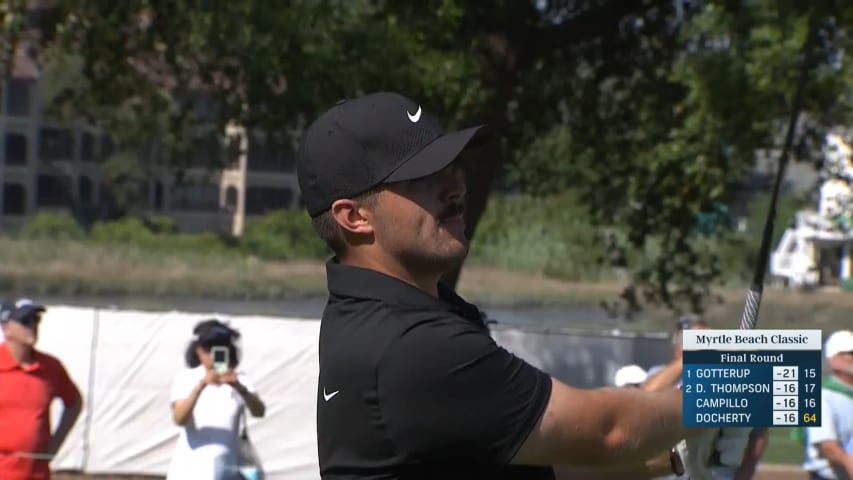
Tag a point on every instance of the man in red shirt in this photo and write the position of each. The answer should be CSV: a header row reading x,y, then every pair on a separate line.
x,y
29,381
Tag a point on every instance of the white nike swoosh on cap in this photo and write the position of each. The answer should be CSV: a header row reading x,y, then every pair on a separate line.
x,y
414,117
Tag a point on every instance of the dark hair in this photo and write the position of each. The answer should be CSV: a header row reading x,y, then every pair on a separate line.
x,y
210,333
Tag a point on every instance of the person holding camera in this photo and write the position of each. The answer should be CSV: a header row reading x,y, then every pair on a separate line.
x,y
208,402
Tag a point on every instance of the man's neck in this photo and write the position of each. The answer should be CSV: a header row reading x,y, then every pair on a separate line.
x,y
23,354
427,282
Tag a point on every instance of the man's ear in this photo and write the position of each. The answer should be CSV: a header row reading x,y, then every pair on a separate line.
x,y
350,217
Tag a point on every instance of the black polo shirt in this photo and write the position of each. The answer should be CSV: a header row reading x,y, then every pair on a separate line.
x,y
414,387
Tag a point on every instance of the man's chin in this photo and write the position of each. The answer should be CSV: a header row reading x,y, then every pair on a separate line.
x,y
455,258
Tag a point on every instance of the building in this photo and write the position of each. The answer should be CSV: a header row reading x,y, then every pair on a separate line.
x,y
46,166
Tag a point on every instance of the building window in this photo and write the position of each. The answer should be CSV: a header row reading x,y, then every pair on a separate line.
x,y
107,147
196,198
260,200
231,197
84,188
87,147
52,191
206,153
16,149
266,156
56,144
18,97
14,199
158,196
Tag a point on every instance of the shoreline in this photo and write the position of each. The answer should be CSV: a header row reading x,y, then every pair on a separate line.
x,y
101,273
264,286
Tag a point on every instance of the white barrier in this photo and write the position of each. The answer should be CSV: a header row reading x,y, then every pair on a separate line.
x,y
124,362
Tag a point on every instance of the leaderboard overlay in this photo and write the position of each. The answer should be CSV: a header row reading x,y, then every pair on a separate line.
x,y
752,378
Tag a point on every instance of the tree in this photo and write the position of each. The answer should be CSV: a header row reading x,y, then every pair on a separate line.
x,y
650,111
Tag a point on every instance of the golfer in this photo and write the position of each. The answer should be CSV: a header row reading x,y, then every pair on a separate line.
x,y
411,384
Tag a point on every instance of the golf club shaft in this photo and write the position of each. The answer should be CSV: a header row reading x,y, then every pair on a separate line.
x,y
753,298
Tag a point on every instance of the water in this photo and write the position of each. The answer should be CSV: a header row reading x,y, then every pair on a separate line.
x,y
527,315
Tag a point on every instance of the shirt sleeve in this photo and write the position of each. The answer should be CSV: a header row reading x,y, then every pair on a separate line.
x,y
652,371
247,383
63,386
446,388
826,431
183,384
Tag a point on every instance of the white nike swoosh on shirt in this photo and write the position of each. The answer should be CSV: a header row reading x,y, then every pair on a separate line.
x,y
328,396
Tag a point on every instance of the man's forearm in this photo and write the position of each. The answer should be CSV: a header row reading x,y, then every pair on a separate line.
x,y
183,408
665,378
834,453
647,423
66,423
753,453
253,402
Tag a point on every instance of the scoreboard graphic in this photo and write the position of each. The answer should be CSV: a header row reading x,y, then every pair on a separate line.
x,y
752,378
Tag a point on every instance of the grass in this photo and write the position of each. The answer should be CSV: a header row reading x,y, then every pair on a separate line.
x,y
782,449
72,268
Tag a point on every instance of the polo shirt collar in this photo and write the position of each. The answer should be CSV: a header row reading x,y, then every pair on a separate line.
x,y
357,282
8,362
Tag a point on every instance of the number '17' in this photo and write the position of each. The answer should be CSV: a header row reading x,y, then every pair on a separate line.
x,y
810,387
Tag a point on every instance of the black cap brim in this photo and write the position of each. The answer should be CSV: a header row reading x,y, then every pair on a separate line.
x,y
437,155
27,310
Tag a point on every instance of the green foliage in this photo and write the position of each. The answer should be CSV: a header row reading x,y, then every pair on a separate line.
x,y
553,236
280,235
283,235
649,113
161,224
738,251
142,234
52,225
125,231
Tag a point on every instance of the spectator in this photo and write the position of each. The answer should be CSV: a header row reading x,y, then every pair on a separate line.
x,y
209,406
829,447
411,384
667,376
29,381
630,376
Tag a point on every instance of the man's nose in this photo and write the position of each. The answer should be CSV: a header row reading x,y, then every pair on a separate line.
x,y
453,184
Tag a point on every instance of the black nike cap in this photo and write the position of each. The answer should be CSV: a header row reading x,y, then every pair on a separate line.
x,y
365,142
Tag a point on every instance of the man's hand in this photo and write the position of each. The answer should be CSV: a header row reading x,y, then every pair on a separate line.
x,y
229,377
256,406
697,454
211,377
